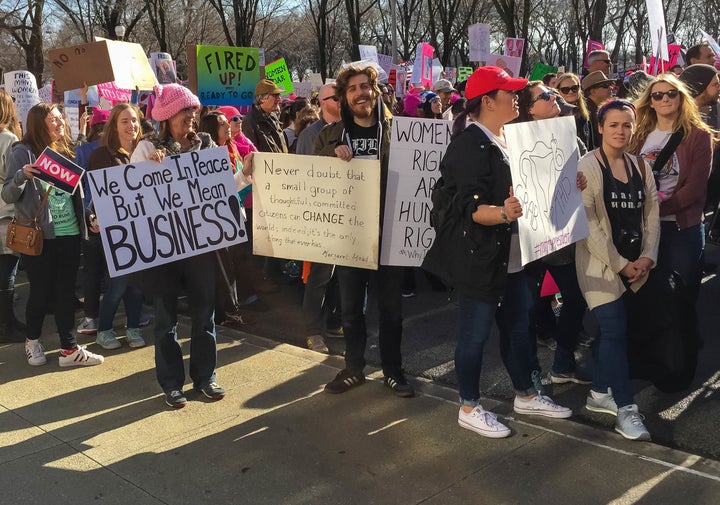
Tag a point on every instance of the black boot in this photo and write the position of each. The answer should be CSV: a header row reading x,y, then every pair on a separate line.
x,y
9,332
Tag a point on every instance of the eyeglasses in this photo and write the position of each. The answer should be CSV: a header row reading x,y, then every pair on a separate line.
x,y
658,95
331,97
545,95
569,89
236,119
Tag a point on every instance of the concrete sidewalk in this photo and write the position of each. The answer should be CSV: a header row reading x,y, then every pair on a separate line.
x,y
104,434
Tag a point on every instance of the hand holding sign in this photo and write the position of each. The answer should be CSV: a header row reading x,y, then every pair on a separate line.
x,y
512,207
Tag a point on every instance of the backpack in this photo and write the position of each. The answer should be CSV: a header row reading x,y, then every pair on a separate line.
x,y
446,218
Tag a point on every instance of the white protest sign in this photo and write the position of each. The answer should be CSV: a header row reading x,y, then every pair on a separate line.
x,y
511,64
385,61
317,208
416,149
303,89
382,75
479,41
151,213
46,93
316,81
543,163
164,67
368,53
713,43
437,70
658,31
22,86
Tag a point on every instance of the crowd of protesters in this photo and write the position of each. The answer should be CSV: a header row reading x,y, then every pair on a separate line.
x,y
640,217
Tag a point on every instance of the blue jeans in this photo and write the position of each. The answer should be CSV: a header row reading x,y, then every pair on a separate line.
x,y
198,274
117,289
682,251
609,352
353,286
475,324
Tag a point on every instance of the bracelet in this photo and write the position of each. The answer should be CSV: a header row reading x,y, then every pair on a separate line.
x,y
503,216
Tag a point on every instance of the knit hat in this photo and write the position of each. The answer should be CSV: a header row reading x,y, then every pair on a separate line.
x,y
171,99
411,102
490,78
229,111
697,77
268,87
99,116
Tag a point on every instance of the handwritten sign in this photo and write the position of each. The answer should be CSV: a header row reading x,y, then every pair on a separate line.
x,y
303,89
57,170
543,163
22,86
464,73
113,94
317,208
227,75
151,213
416,149
368,53
277,71
479,41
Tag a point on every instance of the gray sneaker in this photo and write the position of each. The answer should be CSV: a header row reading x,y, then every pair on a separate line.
x,y
134,337
601,402
630,423
87,326
107,339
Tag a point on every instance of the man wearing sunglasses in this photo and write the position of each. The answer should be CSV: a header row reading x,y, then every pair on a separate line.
x,y
599,60
596,88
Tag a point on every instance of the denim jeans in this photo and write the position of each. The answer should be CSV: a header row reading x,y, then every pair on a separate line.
x,y
475,324
353,287
682,251
609,352
117,289
52,286
198,274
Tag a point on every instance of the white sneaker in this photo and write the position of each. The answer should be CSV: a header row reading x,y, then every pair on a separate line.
x,y
483,422
35,352
87,326
81,357
541,405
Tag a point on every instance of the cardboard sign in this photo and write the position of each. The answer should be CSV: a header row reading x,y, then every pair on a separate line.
x,y
151,213
113,94
464,73
277,71
416,149
124,63
22,86
479,41
539,71
164,67
543,163
224,75
317,208
511,64
514,47
58,171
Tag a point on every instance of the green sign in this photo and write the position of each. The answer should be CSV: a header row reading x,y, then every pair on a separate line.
x,y
540,69
463,73
278,72
227,75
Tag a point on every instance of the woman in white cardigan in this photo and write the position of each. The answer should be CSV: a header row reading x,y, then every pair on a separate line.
x,y
622,211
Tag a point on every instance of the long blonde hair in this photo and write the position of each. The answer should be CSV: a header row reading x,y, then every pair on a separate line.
x,y
688,116
582,109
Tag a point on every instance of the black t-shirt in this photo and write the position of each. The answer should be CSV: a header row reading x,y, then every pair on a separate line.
x,y
624,201
364,141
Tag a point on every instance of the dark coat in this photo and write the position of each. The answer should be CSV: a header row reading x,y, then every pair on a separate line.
x,y
264,131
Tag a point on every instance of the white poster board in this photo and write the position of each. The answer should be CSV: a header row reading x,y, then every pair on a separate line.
x,y
151,214
22,86
658,31
317,208
543,162
368,53
416,149
511,64
479,41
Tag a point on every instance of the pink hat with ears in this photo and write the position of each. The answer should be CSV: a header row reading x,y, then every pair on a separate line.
x,y
171,99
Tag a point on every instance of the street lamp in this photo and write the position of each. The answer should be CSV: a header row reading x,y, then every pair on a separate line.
x,y
120,31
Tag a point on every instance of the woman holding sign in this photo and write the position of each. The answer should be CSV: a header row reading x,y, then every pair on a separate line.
x,y
621,205
486,250
121,135
62,216
175,108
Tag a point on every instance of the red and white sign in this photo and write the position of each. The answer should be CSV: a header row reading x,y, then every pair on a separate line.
x,y
113,94
57,170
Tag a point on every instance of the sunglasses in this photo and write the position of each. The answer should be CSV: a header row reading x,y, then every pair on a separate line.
x,y
236,119
606,85
569,89
331,97
545,95
658,95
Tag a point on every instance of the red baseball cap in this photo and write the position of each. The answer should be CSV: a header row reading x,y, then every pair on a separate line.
x,y
487,79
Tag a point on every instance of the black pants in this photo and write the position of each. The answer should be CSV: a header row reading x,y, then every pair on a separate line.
x,y
94,270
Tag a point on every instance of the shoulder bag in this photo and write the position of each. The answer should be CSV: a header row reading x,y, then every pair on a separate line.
x,y
25,236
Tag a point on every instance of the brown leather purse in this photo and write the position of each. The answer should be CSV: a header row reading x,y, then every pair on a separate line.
x,y
25,236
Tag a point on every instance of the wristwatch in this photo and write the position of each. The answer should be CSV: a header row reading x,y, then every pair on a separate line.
x,y
503,216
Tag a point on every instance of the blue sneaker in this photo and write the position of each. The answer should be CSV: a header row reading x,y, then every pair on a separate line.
x,y
630,423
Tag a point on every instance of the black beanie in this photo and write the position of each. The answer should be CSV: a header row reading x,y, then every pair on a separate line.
x,y
697,77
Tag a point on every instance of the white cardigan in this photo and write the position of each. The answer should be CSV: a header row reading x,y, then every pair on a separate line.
x,y
596,259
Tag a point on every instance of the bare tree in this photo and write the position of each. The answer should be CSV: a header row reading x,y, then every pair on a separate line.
x,y
24,23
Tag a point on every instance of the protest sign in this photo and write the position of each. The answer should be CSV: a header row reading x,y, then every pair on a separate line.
x,y
437,70
511,64
58,171
224,75
514,47
303,89
124,63
464,73
416,149
540,69
277,71
113,94
479,41
46,93
74,98
397,78
658,31
22,86
164,67
713,43
317,208
368,53
385,61
316,81
151,213
422,68
451,74
592,45
543,163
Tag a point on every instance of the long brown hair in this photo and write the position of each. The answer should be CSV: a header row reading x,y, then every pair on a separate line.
x,y
8,114
110,137
37,135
